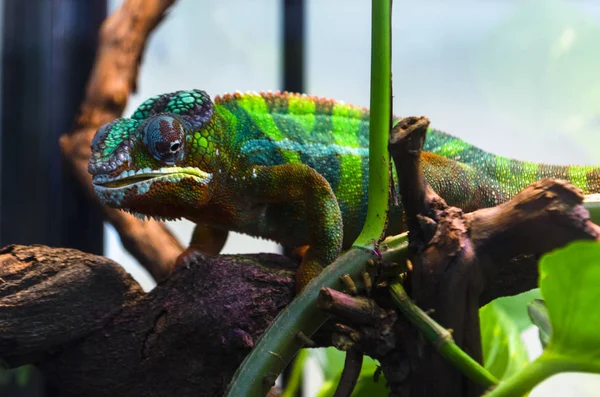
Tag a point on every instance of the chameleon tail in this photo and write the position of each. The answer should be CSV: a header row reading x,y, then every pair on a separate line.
x,y
470,178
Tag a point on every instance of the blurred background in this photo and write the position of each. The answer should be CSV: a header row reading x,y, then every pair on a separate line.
x,y
519,78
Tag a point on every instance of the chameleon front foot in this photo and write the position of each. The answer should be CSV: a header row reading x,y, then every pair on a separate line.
x,y
206,241
189,255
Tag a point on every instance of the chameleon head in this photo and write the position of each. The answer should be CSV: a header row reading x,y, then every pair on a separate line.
x,y
151,167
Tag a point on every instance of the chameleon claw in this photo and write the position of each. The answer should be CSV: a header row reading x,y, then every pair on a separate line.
x,y
367,281
349,284
188,256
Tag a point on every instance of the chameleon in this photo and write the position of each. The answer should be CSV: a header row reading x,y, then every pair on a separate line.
x,y
288,167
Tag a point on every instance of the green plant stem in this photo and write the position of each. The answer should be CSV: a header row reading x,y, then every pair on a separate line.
x,y
278,345
440,337
521,383
296,375
395,248
380,123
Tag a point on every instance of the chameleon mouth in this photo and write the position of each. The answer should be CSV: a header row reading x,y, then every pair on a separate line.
x,y
145,177
126,181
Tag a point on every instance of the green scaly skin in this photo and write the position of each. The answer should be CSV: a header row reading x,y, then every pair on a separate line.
x,y
287,167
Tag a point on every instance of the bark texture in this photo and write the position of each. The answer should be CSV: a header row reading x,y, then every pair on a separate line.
x,y
91,329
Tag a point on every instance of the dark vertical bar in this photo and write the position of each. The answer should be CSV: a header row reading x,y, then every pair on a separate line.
x,y
48,48
293,81
47,55
76,25
24,215
293,50
293,45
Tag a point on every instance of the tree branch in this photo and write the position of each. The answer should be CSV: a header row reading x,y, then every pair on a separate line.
x,y
509,239
92,330
123,37
463,261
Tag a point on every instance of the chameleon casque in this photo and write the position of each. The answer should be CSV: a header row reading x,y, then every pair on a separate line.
x,y
287,167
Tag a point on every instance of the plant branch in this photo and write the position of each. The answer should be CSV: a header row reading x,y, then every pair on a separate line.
x,y
534,373
418,198
380,120
361,310
440,337
510,238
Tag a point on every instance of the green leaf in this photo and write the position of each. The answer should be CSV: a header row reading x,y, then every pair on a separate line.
x,y
366,386
504,353
538,312
515,307
293,384
570,285
569,282
331,361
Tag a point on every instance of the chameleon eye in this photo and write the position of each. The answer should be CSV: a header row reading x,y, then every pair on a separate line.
x,y
164,137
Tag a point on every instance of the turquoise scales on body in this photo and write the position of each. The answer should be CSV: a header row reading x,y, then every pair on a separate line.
x,y
247,163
